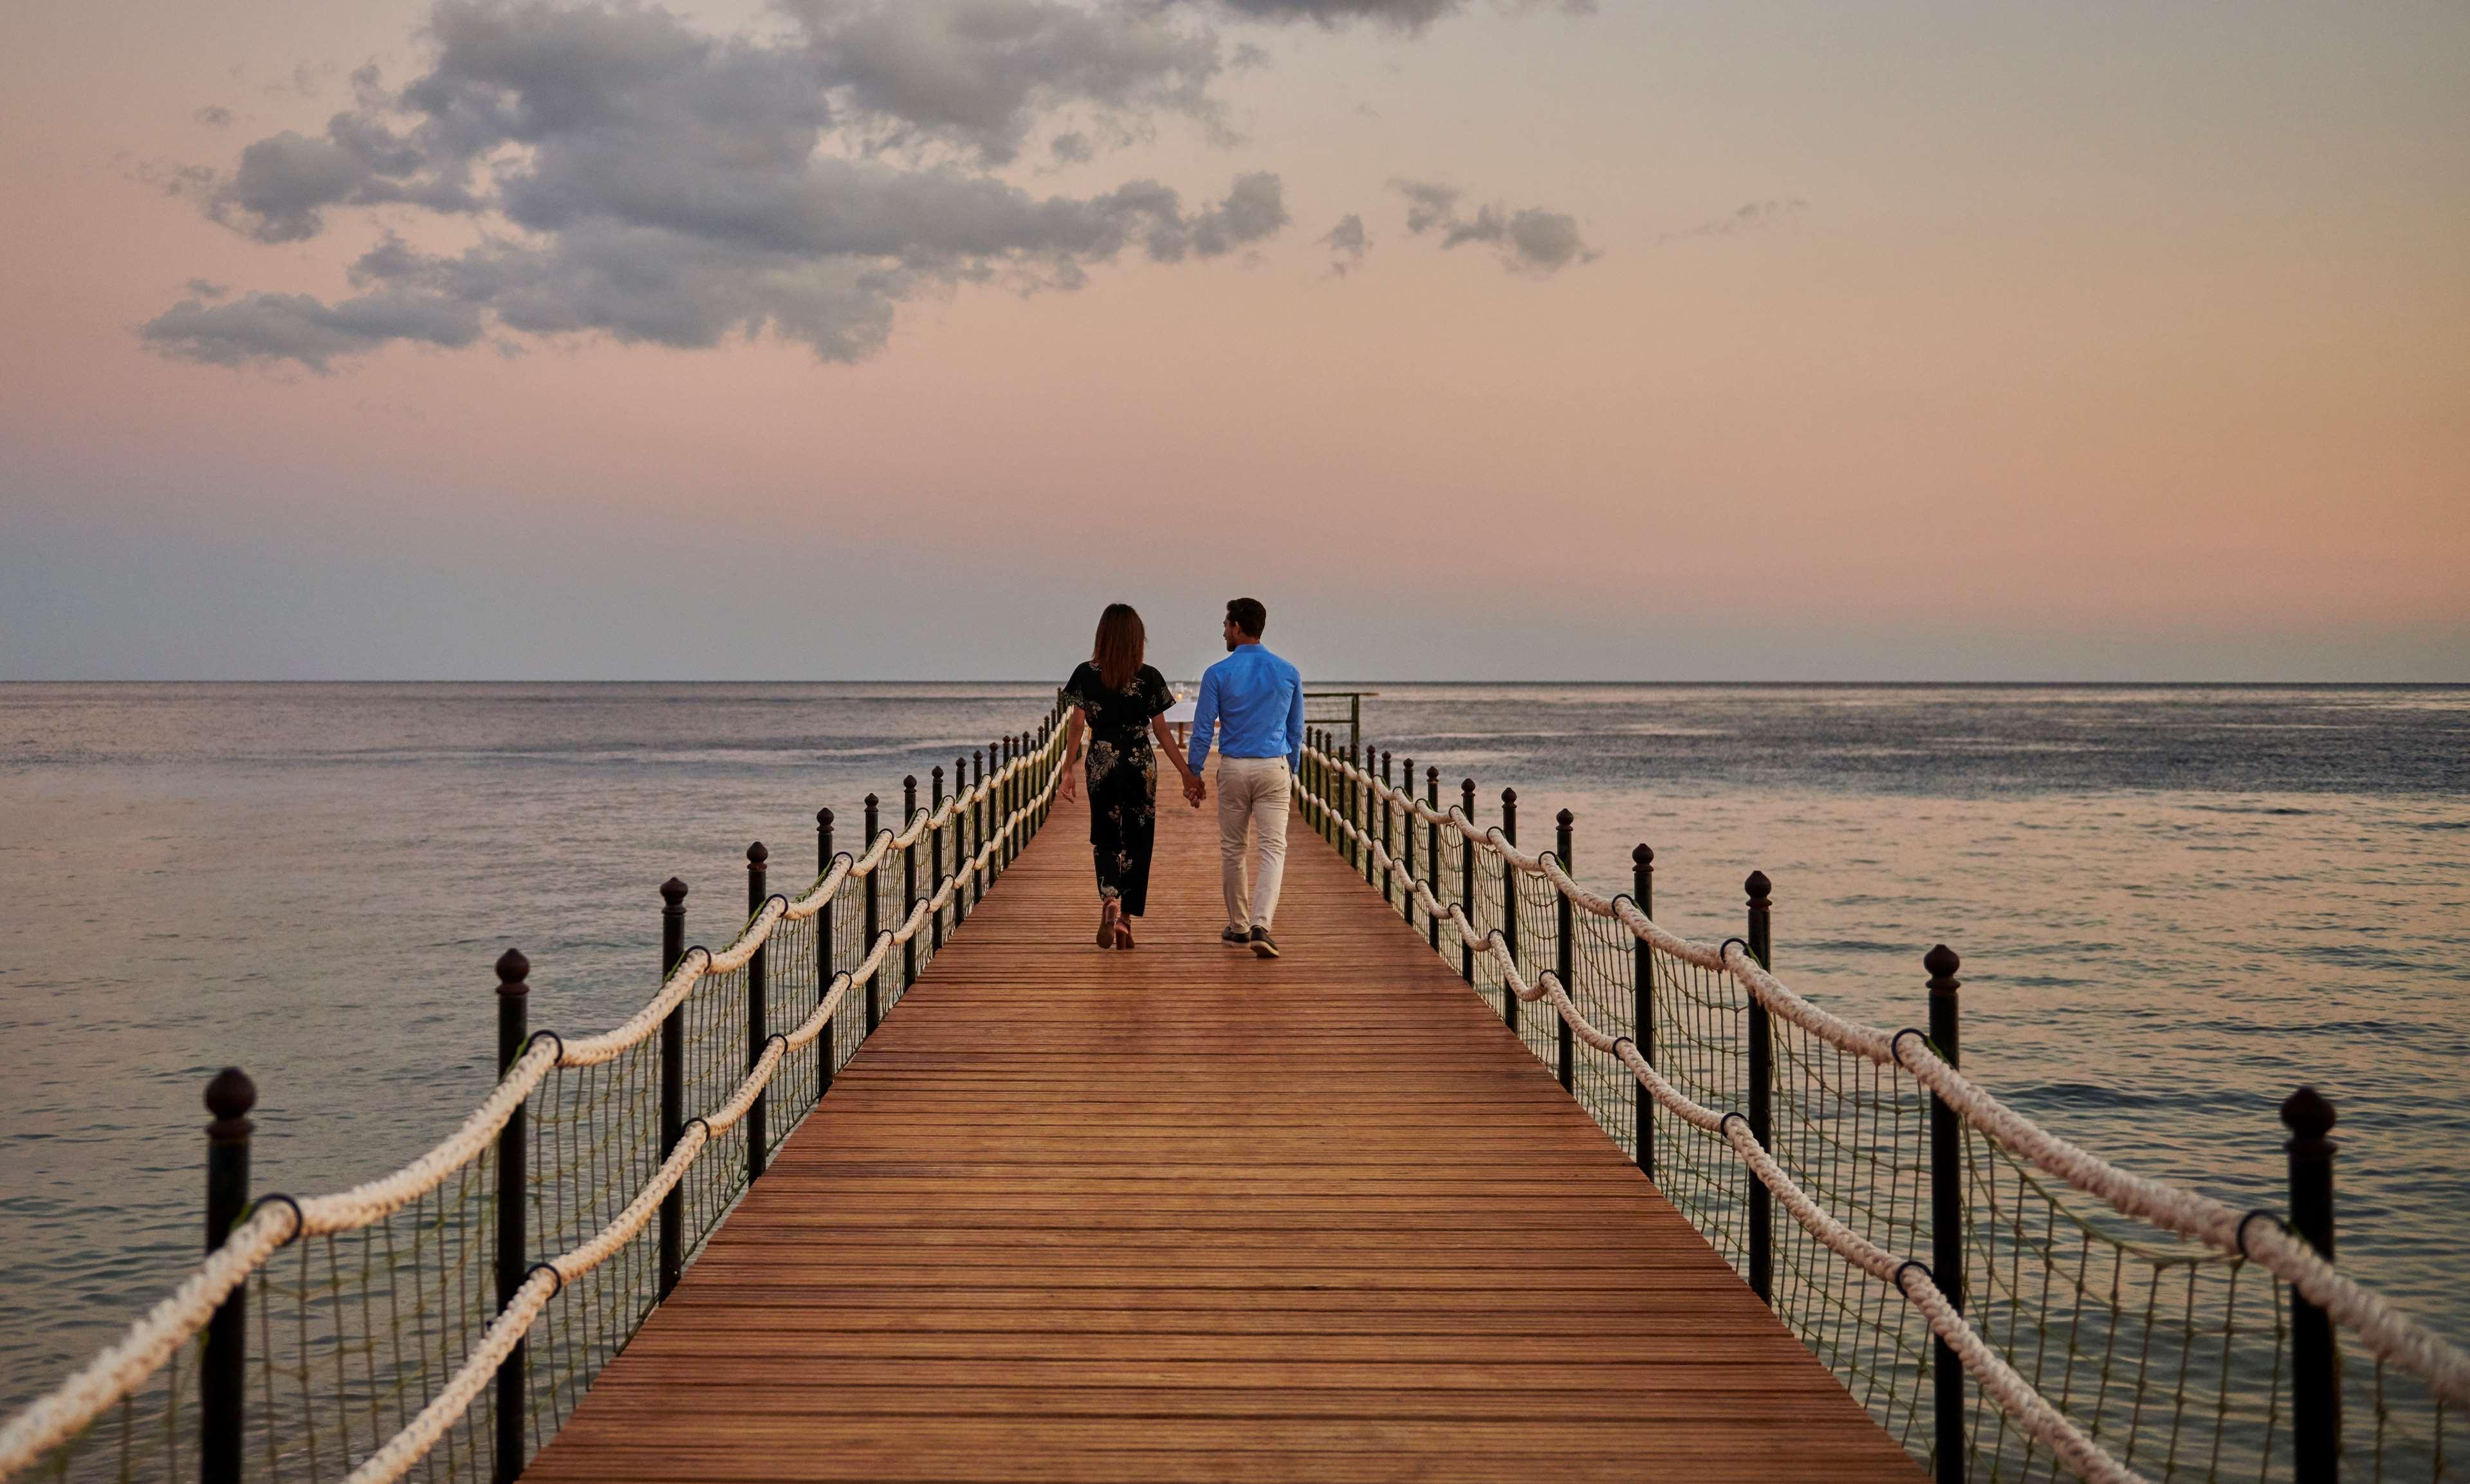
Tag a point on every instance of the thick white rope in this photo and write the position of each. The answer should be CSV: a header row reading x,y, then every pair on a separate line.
x,y
69,1407
2383,1330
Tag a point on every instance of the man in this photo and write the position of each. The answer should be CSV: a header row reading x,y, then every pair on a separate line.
x,y
1254,701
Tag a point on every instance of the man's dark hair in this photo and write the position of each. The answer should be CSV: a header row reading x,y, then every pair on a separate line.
x,y
1248,616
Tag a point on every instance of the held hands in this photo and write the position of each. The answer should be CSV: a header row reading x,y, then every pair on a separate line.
x,y
1194,789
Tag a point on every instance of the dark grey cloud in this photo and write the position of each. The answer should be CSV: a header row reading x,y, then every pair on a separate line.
x,y
208,288
1405,14
632,175
1527,240
278,327
1752,218
978,74
213,116
1347,242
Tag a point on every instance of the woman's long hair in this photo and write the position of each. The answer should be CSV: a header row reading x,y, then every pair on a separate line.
x,y
1117,651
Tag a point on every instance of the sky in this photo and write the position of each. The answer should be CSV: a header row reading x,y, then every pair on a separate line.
x,y
893,338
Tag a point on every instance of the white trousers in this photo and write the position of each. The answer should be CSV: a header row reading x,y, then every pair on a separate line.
x,y
1252,798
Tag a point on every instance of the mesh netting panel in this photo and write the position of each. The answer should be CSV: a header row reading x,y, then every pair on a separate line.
x,y
350,1336
2171,1355
1602,969
150,1434
1855,1136
1702,1049
1539,935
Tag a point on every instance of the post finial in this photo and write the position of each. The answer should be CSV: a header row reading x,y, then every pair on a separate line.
x,y
2307,1113
673,890
823,817
1758,886
1509,795
1942,963
1565,817
1432,775
230,1094
1643,856
755,855
513,968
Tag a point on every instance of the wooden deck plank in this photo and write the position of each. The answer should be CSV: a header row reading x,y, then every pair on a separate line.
x,y
1182,1214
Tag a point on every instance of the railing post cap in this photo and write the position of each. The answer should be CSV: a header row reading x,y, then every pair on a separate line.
x,y
230,1094
870,800
2308,1114
1432,775
937,771
1565,817
1758,886
513,969
909,780
1509,795
1942,963
823,816
1467,785
755,855
673,890
1642,855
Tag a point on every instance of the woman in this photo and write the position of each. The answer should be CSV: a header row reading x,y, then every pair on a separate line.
x,y
1120,702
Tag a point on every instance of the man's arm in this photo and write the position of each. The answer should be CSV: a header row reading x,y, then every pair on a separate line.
x,y
1295,725
1204,719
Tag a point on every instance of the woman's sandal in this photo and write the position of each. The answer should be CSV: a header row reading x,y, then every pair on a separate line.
x,y
1123,932
1108,927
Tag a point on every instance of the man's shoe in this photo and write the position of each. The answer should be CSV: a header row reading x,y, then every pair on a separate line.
x,y
1235,935
1261,946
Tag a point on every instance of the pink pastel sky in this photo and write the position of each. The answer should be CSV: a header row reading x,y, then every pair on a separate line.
x,y
2082,342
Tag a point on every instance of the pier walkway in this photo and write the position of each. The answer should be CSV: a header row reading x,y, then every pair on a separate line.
x,y
1182,1214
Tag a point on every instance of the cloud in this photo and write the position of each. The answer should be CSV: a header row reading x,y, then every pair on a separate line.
x,y
213,116
276,327
208,288
631,175
1527,240
1347,242
979,73
1404,15
1752,218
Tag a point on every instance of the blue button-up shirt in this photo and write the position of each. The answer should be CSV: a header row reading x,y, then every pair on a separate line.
x,y
1257,702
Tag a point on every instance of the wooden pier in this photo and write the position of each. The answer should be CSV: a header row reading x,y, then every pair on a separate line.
x,y
1179,1213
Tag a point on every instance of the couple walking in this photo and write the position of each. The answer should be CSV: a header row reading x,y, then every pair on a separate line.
x,y
1254,702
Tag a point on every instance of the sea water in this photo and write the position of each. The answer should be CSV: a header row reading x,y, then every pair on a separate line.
x,y
2173,905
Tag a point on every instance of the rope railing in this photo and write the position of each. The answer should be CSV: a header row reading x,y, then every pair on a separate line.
x,y
348,1369
1493,922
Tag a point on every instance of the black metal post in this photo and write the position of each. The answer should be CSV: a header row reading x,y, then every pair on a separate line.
x,y
758,1028
2315,1357
1010,792
223,1378
1642,1004
673,1084
874,917
1466,880
1432,849
935,861
1946,1215
1510,903
1762,1113
908,882
1564,956
978,811
825,953
514,1001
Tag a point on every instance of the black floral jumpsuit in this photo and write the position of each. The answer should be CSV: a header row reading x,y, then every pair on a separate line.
x,y
1122,774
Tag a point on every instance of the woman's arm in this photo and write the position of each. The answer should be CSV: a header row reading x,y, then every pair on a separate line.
x,y
1194,789
1068,787
1166,744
